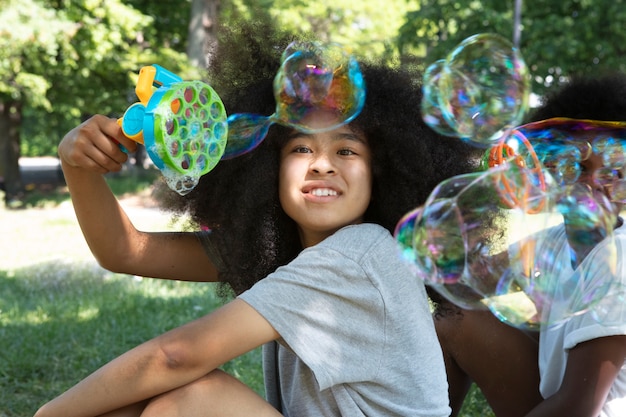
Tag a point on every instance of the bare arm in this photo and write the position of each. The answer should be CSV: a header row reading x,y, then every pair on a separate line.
x,y
592,367
87,152
167,362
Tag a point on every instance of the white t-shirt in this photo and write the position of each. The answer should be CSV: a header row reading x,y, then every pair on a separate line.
x,y
357,335
605,318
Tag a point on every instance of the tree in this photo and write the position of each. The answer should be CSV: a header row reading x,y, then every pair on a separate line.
x,y
559,38
63,60
22,47
369,27
202,26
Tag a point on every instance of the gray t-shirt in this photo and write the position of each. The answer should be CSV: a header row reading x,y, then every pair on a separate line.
x,y
357,336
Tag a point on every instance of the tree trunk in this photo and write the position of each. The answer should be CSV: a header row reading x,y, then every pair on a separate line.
x,y
10,119
202,26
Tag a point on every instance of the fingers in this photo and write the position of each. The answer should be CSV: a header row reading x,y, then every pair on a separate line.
x,y
94,145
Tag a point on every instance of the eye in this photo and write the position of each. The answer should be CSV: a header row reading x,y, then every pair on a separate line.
x,y
301,149
346,152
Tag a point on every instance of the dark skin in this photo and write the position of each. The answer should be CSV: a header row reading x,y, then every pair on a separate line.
x,y
500,359
592,367
503,360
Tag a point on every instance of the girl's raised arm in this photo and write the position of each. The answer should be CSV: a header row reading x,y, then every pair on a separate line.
x,y
91,150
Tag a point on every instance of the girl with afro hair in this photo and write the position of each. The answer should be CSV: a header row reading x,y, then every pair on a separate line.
x,y
300,229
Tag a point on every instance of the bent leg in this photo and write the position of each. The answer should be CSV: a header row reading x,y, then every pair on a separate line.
x,y
216,394
134,410
500,359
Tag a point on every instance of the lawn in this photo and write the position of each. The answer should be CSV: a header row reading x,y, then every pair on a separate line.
x,y
62,316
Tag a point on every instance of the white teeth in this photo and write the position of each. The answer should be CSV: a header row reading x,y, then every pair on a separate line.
x,y
323,192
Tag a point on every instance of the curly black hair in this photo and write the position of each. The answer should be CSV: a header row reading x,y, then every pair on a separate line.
x,y
598,97
238,200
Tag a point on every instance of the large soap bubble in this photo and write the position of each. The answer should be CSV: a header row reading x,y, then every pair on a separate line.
x,y
563,144
312,77
431,108
533,253
479,91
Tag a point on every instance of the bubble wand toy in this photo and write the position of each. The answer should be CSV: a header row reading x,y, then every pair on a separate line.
x,y
182,124
515,195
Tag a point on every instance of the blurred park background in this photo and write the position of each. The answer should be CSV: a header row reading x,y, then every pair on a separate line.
x,y
61,315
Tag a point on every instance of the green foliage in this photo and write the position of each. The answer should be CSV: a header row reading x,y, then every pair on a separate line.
x,y
559,38
368,27
65,60
475,404
29,39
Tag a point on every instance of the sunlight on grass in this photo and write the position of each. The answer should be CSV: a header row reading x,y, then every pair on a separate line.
x,y
62,316
89,313
61,321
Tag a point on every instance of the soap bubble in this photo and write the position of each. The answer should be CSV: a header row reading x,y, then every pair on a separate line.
x,y
482,89
563,144
533,253
431,107
312,77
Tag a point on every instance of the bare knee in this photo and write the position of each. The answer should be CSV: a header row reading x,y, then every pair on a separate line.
x,y
216,393
197,392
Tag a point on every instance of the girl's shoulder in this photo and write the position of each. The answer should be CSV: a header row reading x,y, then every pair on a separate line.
x,y
359,240
360,234
364,228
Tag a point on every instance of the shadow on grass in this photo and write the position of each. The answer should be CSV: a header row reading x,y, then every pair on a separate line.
x,y
60,322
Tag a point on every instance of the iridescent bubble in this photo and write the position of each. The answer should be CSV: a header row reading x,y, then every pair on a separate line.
x,y
431,109
618,193
318,77
588,218
312,77
519,250
610,310
562,145
246,132
517,152
483,89
304,77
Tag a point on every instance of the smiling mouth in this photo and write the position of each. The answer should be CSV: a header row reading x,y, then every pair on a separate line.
x,y
323,192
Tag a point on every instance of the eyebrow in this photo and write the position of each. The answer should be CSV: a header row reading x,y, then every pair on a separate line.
x,y
338,136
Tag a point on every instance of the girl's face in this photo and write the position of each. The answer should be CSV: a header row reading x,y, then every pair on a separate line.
x,y
325,180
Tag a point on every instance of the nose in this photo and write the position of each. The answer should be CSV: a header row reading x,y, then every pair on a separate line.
x,y
322,164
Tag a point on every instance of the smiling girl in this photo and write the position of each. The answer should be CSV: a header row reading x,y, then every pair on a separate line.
x,y
300,231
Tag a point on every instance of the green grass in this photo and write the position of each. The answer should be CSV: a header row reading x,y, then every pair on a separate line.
x,y
59,322
62,316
